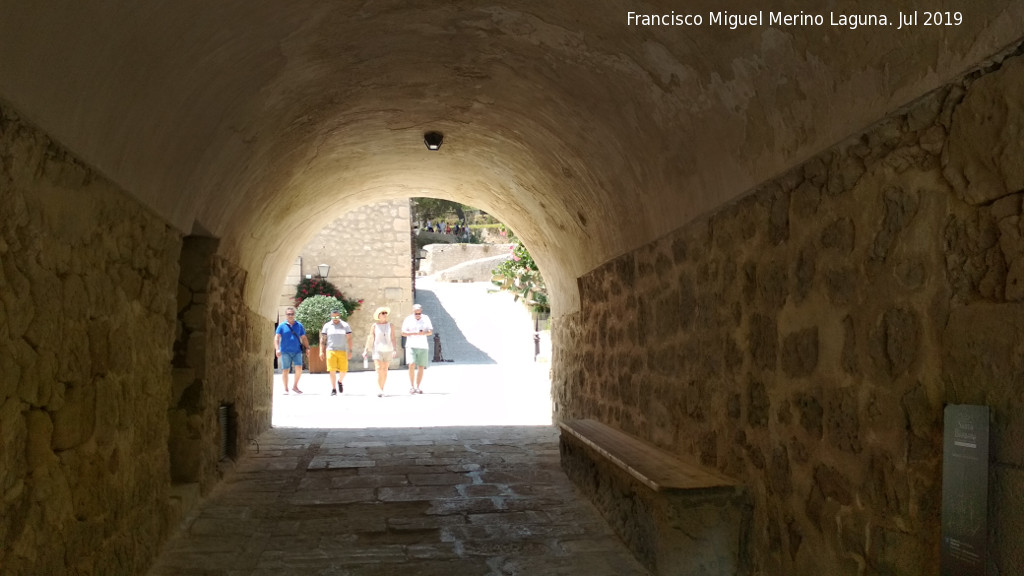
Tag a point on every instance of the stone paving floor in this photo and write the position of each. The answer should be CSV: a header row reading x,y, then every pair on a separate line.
x,y
382,501
462,479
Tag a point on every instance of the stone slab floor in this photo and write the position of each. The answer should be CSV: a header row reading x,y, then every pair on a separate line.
x,y
382,501
462,479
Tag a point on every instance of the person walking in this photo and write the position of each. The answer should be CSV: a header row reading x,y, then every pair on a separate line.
x,y
416,327
336,346
383,346
289,342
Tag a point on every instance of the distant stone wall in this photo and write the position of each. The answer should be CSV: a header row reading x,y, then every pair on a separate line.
x,y
87,311
481,270
806,338
443,256
370,253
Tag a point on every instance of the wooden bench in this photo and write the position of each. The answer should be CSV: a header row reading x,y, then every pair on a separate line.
x,y
677,517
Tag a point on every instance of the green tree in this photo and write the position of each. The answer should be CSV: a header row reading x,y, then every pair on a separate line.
x,y
437,209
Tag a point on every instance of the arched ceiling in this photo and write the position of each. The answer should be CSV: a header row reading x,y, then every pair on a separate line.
x,y
259,122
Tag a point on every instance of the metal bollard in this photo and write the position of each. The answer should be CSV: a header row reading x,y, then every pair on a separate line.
x,y
228,423
536,336
437,348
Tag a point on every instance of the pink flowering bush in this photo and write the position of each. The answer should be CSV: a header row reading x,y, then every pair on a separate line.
x,y
309,287
521,276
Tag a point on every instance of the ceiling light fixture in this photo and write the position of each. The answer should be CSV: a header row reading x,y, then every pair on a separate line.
x,y
433,140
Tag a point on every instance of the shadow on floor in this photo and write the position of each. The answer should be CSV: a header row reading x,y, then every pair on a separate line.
x,y
454,345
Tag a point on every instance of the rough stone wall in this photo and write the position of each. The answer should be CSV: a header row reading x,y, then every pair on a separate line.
x,y
443,256
241,353
187,415
87,313
223,356
370,253
806,338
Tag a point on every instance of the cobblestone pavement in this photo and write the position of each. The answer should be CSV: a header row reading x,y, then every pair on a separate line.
x,y
429,501
462,479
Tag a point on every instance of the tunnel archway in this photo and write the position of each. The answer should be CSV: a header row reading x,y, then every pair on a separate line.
x,y
612,149
588,135
314,215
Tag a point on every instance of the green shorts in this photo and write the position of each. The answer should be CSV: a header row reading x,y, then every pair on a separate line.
x,y
417,356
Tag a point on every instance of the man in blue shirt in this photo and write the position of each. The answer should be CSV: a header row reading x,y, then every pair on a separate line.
x,y
289,342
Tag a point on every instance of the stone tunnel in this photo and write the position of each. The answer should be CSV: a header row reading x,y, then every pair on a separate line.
x,y
777,249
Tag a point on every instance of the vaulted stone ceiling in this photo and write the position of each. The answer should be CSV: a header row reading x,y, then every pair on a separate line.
x,y
258,122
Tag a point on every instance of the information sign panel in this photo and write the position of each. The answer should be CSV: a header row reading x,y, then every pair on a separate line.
x,y
964,490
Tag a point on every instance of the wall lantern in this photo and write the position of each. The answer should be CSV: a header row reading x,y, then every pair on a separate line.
x,y
323,270
433,140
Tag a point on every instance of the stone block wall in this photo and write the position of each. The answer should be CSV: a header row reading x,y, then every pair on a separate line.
x,y
481,270
222,358
806,338
240,357
444,256
118,342
369,250
87,319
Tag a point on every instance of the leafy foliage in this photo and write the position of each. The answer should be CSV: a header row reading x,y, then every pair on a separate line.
x,y
437,209
309,287
314,312
521,276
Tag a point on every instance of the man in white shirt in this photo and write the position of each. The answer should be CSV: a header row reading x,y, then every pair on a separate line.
x,y
416,327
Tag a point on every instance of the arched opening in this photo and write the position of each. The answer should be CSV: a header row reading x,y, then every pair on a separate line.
x,y
483,360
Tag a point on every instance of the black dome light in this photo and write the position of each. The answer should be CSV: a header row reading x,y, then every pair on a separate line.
x,y
433,140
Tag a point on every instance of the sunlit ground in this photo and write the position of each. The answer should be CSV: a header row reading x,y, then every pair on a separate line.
x,y
476,395
493,380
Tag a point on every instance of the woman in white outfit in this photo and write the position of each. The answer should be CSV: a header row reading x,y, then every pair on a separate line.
x,y
383,346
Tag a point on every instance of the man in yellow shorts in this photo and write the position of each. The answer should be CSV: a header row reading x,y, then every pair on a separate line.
x,y
336,345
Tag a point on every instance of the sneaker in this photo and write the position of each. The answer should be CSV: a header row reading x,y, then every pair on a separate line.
x,y
412,390
341,388
418,391
334,392
381,395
